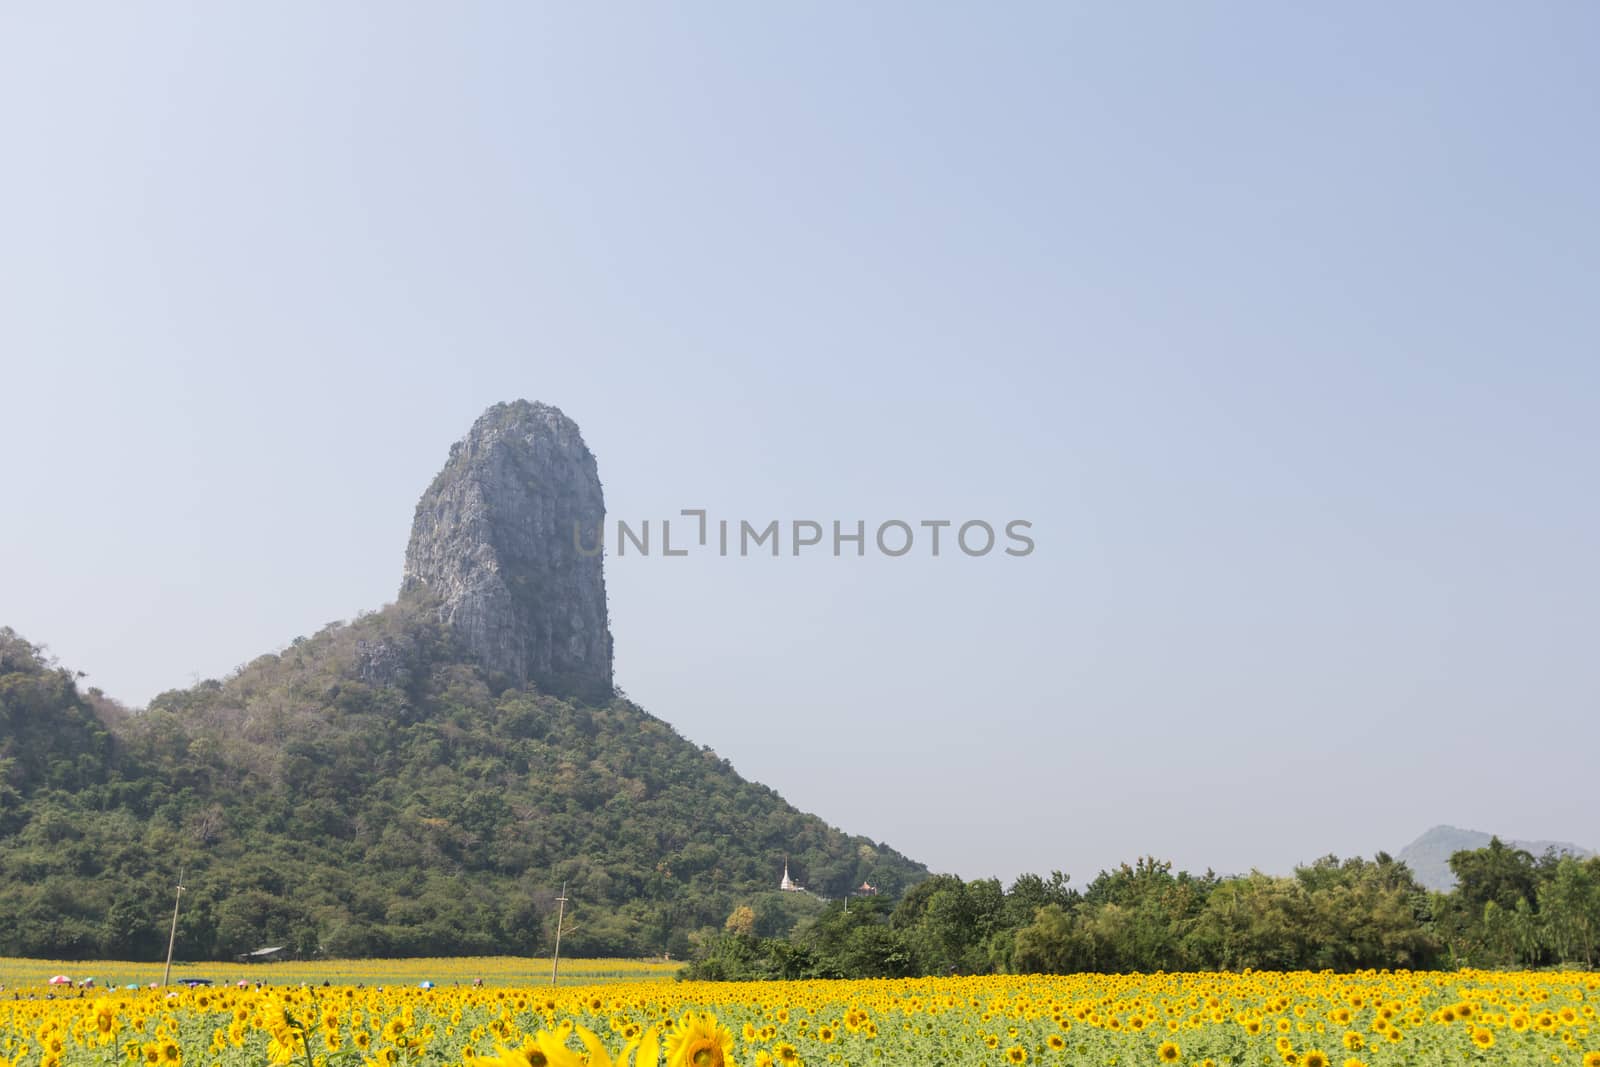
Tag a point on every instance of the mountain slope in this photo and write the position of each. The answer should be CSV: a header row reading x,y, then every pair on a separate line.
x,y
365,792
420,781
50,736
1429,855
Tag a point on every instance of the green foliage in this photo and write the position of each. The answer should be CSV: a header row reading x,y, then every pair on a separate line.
x,y
1569,909
1049,944
948,924
50,736
1341,915
366,792
1499,874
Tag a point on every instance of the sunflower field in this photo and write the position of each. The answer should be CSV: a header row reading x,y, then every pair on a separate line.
x,y
1367,1019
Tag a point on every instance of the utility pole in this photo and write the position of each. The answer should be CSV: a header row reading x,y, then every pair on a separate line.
x,y
172,940
561,914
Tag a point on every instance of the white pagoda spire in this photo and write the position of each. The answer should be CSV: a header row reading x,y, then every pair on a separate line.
x,y
789,885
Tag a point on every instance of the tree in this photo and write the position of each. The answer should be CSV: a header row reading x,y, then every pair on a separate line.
x,y
1030,892
1570,905
1495,873
948,924
741,921
1257,921
1049,945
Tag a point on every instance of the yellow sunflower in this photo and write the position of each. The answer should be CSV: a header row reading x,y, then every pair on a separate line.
x,y
530,1054
697,1041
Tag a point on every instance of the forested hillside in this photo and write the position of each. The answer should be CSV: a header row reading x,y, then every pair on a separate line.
x,y
371,791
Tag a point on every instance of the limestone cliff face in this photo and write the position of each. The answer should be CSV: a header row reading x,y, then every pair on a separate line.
x,y
492,544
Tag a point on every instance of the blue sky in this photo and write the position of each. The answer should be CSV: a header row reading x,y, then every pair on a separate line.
x,y
1277,322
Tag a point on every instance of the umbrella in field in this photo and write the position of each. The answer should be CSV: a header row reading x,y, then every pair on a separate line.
x,y
60,979
424,984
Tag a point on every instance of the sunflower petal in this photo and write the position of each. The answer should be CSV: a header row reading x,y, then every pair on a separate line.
x,y
649,1054
598,1056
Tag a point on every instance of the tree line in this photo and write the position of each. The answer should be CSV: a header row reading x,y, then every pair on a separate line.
x,y
1508,909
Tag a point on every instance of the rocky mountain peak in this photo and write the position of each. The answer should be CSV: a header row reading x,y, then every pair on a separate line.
x,y
495,545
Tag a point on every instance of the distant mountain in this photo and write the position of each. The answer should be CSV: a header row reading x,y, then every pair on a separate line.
x,y
1429,855
423,780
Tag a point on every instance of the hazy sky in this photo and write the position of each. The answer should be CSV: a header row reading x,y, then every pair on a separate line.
x,y
1281,324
